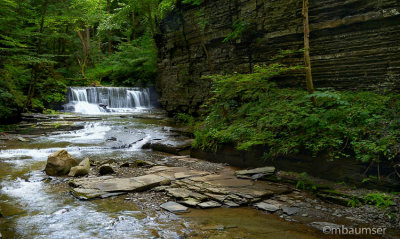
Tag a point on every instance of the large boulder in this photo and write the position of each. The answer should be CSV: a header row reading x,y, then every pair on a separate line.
x,y
82,169
59,163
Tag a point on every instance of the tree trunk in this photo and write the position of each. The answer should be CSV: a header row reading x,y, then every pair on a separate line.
x,y
109,31
150,17
85,49
99,48
35,66
88,43
307,60
133,26
88,39
203,45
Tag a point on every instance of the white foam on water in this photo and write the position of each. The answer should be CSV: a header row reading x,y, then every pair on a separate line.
x,y
92,133
138,146
103,100
87,108
22,157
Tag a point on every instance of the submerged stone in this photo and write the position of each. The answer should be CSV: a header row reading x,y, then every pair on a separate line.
x,y
174,207
322,225
22,139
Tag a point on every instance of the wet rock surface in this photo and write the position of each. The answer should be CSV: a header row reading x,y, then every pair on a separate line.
x,y
191,182
179,146
106,186
106,169
174,207
195,183
82,169
59,163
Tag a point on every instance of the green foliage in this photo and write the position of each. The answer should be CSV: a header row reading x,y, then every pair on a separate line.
x,y
238,28
306,183
182,118
370,178
48,45
380,200
248,110
354,202
193,2
133,64
8,106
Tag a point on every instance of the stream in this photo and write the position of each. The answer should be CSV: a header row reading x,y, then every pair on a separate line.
x,y
35,205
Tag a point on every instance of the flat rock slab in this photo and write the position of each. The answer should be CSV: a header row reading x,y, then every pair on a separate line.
x,y
209,204
178,192
266,207
174,207
169,146
189,173
176,173
88,188
290,210
226,188
191,202
231,204
262,171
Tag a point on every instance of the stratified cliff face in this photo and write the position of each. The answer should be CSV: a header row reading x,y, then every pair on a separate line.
x,y
355,44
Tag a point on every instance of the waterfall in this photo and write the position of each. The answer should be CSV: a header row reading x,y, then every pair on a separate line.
x,y
98,100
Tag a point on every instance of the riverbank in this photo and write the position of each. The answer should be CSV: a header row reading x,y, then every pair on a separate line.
x,y
118,140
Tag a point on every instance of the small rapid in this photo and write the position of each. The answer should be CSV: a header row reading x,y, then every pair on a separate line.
x,y
41,207
35,205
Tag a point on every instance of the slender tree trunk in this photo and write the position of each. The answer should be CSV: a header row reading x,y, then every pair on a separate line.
x,y
98,47
109,31
85,49
203,45
133,26
150,17
88,38
307,60
35,66
88,43
64,42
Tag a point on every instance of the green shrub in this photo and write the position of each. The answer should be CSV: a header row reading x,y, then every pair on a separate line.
x,y
249,110
182,118
133,64
380,200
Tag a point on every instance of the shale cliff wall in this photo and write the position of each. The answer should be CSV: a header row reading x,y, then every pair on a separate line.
x,y
355,44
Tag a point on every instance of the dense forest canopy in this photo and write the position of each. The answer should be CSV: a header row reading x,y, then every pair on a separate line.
x,y
47,45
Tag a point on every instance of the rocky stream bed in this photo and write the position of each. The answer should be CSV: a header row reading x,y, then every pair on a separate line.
x,y
138,181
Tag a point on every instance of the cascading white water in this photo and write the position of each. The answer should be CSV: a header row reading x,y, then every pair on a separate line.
x,y
98,100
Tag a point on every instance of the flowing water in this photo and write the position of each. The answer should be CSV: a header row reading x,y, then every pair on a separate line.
x,y
36,206
98,100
